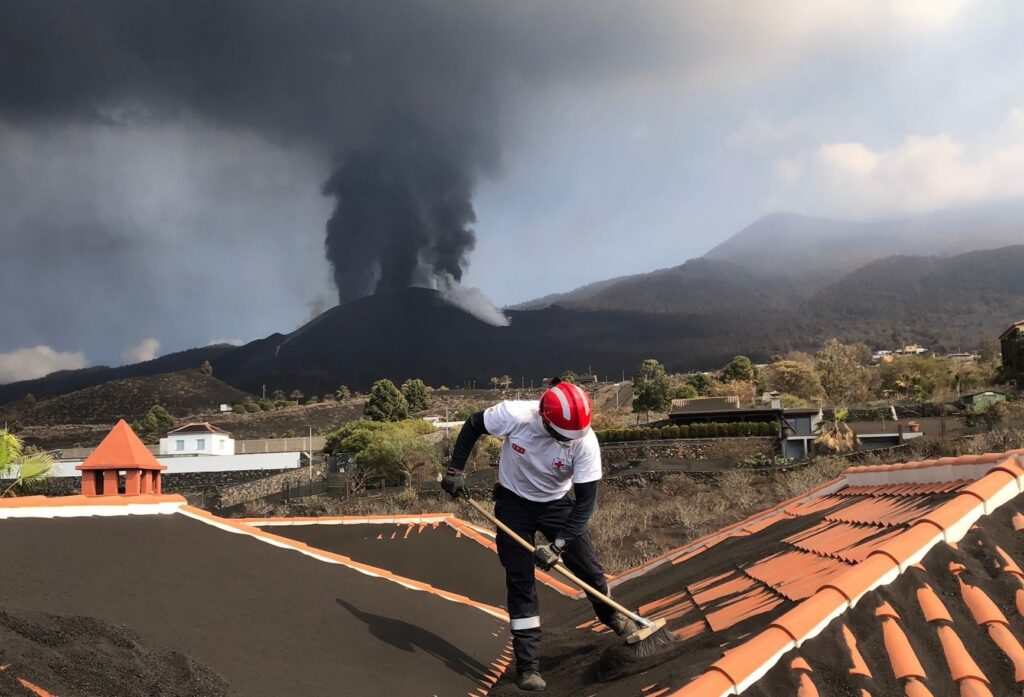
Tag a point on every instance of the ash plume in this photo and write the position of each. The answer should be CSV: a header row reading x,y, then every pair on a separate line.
x,y
401,101
404,207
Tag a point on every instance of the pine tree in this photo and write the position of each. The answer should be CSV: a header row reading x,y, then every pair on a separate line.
x,y
386,403
415,393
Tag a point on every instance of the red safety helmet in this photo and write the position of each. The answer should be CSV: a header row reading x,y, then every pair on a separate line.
x,y
566,410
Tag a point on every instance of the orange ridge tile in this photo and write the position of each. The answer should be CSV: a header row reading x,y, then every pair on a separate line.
x,y
1018,522
810,617
956,516
747,663
877,570
994,489
910,546
712,683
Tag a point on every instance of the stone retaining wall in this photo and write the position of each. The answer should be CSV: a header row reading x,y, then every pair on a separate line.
x,y
688,449
227,496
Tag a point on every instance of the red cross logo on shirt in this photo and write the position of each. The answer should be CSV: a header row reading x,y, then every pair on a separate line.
x,y
558,464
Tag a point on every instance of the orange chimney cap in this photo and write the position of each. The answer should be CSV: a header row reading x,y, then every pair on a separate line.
x,y
121,449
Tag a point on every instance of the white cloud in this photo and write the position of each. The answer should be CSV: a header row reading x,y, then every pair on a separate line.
x,y
233,342
921,173
146,350
29,363
757,132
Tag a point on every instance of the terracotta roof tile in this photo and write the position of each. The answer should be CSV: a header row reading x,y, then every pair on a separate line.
x,y
961,665
905,663
983,610
858,666
931,606
916,688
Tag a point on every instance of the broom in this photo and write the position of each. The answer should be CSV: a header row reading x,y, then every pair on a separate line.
x,y
645,641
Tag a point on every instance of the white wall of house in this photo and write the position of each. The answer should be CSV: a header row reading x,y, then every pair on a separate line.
x,y
201,443
205,463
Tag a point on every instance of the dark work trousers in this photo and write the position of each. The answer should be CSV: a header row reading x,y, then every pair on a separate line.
x,y
527,518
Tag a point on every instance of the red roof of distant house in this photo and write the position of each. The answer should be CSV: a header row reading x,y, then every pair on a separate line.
x,y
199,427
121,449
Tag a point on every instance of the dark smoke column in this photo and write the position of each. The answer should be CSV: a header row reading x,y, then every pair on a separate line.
x,y
403,213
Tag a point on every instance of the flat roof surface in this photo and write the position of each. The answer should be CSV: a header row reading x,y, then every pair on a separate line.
x,y
271,621
424,551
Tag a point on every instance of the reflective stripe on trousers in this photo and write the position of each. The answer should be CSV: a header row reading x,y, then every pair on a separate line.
x,y
526,518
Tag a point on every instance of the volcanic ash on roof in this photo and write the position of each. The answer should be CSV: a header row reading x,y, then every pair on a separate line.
x,y
271,621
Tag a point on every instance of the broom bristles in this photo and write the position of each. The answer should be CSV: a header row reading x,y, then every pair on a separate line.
x,y
652,644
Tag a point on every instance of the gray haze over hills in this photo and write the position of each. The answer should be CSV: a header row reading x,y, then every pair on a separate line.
x,y
784,257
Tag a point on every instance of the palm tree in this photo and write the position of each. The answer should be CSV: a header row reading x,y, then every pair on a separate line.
x,y
24,468
836,436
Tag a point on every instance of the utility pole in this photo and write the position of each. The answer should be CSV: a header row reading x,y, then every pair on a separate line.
x,y
309,444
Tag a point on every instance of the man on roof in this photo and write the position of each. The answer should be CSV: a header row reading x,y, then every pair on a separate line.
x,y
549,450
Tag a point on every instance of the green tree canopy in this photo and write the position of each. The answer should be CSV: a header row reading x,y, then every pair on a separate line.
x,y
794,378
154,425
650,387
740,368
916,376
683,392
385,449
842,373
700,382
415,393
386,403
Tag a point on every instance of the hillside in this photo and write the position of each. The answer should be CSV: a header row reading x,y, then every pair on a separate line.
x,y
64,381
947,303
822,248
181,393
699,287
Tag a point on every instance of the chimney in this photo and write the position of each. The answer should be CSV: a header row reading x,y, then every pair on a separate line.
x,y
776,402
121,451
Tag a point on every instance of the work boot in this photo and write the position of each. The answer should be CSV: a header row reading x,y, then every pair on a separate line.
x,y
531,681
622,625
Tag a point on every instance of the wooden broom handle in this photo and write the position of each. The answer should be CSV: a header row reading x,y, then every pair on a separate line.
x,y
560,568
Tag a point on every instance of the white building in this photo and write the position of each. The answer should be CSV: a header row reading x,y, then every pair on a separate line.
x,y
197,439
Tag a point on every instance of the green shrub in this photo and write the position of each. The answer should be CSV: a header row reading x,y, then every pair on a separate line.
x,y
684,431
238,409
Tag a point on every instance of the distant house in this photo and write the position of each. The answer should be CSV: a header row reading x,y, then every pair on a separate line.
x,y
981,400
1012,344
197,439
962,357
795,426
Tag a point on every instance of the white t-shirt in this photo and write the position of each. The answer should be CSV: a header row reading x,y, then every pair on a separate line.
x,y
533,464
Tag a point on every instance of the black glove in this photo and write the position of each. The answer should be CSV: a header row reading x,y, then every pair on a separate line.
x,y
454,482
546,556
